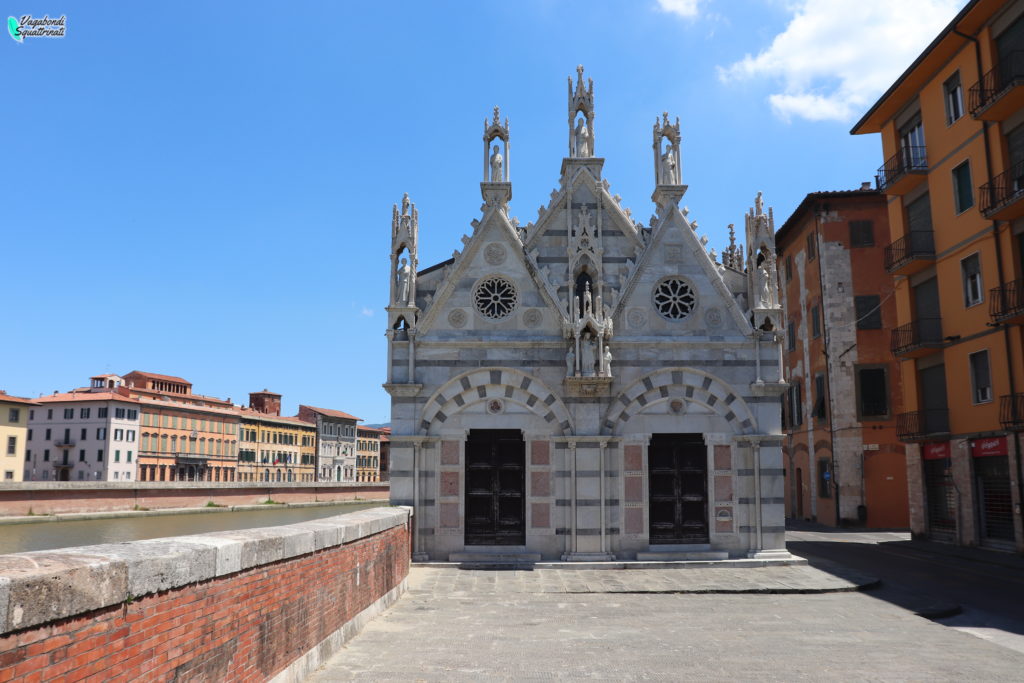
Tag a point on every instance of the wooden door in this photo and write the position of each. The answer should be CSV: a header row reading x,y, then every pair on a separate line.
x,y
678,481
495,487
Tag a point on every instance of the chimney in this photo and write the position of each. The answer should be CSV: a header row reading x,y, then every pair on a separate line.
x,y
866,185
266,402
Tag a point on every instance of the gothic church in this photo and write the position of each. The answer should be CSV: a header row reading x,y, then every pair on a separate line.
x,y
586,387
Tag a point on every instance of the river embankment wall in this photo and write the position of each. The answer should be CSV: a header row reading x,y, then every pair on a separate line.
x,y
52,498
260,604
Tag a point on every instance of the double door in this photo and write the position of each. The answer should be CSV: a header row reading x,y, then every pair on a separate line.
x,y
495,487
678,478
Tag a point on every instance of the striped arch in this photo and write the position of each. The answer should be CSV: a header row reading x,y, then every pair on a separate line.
x,y
504,383
688,383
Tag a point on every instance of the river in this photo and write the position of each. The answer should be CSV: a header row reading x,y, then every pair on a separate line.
x,y
19,538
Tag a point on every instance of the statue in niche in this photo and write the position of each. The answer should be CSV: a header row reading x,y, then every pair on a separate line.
x,y
668,167
581,139
607,372
765,284
586,226
404,275
497,173
588,349
570,363
588,304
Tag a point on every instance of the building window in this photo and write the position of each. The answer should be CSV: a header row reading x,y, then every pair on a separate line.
x,y
83,434
81,455
118,435
963,193
119,413
84,413
101,432
791,336
789,268
868,311
970,269
862,234
49,413
47,433
796,400
14,415
824,479
815,322
99,455
12,445
117,456
981,378
820,411
872,392
101,412
46,455
8,475
812,252
954,98
912,144
133,414
69,413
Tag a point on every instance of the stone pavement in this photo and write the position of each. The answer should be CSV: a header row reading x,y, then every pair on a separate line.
x,y
621,625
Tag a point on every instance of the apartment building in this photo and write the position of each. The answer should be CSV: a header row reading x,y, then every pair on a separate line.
x,y
952,131
13,435
335,442
843,462
368,454
273,447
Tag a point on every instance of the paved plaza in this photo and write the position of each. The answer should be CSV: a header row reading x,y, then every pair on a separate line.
x,y
771,623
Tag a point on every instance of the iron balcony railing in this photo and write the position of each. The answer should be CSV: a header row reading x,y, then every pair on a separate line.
x,y
1003,189
995,82
64,443
910,159
913,245
1011,411
916,334
922,424
1006,301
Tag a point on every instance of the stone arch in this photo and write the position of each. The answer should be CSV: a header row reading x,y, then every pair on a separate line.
x,y
694,385
507,384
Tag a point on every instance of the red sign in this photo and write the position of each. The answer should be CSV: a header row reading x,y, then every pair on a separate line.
x,y
982,448
935,450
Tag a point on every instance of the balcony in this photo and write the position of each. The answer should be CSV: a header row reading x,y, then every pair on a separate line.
x,y
64,443
1001,196
917,338
911,253
1011,412
923,425
1006,303
998,94
903,170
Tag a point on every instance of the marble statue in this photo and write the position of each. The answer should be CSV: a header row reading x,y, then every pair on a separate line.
x,y
404,274
607,362
668,167
497,173
758,204
588,303
581,139
588,349
764,285
570,363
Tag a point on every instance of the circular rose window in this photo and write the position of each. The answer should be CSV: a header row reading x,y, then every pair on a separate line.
x,y
674,299
495,297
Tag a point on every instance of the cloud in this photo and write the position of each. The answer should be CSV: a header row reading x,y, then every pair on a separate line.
x,y
682,8
836,57
368,312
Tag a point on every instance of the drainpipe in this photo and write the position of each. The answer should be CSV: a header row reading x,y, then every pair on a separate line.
x,y
999,273
828,365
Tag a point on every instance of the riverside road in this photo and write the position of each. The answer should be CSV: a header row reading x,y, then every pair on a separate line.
x,y
806,623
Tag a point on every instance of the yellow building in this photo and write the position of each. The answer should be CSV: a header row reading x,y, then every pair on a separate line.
x,y
952,130
367,454
13,435
273,447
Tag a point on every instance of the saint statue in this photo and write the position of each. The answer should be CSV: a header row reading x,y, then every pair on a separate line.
x,y
587,300
581,139
589,350
607,362
765,288
404,275
497,176
570,363
668,167
758,204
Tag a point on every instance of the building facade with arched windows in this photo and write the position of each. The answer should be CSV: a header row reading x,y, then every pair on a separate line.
x,y
586,386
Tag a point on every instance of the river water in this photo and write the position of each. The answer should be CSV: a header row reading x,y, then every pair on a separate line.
x,y
18,538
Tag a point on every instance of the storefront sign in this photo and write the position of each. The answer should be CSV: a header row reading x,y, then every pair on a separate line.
x,y
981,448
935,450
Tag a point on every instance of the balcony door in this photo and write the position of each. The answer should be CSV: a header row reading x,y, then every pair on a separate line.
x,y
927,313
1010,46
931,387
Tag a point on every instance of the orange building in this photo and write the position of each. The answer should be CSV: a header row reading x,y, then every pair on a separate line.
x,y
952,129
184,436
368,454
843,462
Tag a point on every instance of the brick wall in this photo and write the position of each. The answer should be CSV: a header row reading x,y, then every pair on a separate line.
x,y
62,498
275,611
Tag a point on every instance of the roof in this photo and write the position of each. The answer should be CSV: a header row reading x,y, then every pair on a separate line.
x,y
170,404
153,375
250,414
782,233
434,267
7,398
333,413
370,429
189,397
86,396
969,20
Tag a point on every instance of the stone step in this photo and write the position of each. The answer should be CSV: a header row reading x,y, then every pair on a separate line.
x,y
682,556
495,558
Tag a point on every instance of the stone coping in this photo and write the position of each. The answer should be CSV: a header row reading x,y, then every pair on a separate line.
x,y
41,586
175,485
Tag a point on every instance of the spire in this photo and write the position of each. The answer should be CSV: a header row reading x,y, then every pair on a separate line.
x,y
496,186
581,130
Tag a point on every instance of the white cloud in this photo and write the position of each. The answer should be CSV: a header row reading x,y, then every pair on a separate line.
x,y
683,8
368,312
836,57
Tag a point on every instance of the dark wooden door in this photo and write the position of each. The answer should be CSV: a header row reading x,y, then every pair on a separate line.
x,y
495,486
678,478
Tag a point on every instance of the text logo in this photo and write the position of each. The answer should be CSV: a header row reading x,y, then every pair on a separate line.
x,y
36,27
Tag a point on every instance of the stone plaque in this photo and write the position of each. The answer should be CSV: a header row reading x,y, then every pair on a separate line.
x,y
532,317
713,318
457,318
494,253
637,318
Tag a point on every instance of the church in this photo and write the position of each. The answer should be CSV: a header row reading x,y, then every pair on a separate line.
x,y
586,387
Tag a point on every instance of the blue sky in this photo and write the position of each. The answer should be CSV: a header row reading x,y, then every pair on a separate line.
x,y
205,189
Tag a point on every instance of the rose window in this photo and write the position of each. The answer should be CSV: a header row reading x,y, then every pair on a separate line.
x,y
495,297
674,299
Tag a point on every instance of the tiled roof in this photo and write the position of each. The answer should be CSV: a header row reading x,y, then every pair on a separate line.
x,y
174,396
822,195
333,413
153,375
7,398
86,396
171,404
250,414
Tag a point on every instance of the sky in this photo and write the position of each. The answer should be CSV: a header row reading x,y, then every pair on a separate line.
x,y
205,189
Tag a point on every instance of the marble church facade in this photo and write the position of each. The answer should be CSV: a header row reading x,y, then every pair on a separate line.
x,y
587,387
